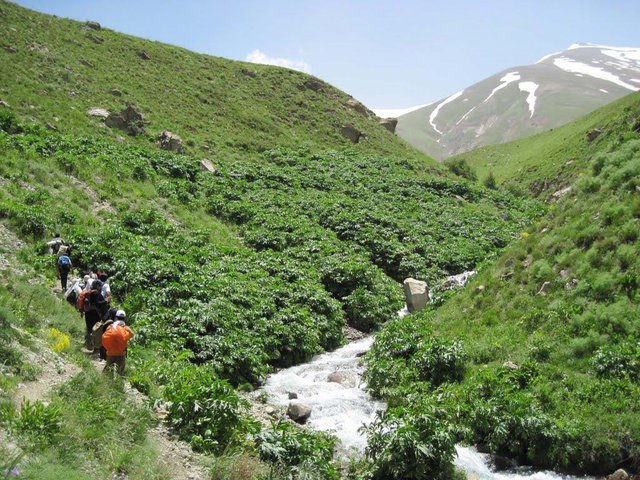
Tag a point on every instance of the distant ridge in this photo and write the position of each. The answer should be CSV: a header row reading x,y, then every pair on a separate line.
x,y
524,100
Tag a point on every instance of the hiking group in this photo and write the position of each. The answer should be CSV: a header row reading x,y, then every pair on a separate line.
x,y
107,333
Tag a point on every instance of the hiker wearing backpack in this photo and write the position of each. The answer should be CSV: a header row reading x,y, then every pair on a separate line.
x,y
92,304
115,340
63,266
55,243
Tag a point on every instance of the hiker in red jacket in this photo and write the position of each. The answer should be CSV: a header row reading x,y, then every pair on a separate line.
x,y
115,339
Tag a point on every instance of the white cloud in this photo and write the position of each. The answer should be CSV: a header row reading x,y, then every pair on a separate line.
x,y
258,56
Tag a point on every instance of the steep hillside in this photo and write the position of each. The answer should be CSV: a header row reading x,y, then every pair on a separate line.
x,y
538,358
53,70
524,100
535,163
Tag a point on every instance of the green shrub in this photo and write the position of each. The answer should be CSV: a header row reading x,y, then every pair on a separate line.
x,y
38,423
305,454
490,181
618,361
407,444
458,166
588,184
438,361
206,410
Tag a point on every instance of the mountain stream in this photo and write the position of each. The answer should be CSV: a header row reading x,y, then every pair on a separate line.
x,y
342,408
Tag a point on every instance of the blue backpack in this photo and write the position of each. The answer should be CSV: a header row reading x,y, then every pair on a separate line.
x,y
64,261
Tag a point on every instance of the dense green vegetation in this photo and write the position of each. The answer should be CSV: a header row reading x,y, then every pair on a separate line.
x,y
537,359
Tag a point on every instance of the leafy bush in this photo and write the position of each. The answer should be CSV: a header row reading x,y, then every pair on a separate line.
x,y
438,361
303,453
458,166
37,423
405,444
618,361
206,410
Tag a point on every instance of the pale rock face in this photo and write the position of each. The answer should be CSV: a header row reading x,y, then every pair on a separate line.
x,y
299,412
416,294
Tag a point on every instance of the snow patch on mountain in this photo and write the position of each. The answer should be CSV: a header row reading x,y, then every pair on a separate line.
x,y
603,90
626,59
506,80
436,110
396,112
465,115
530,88
573,66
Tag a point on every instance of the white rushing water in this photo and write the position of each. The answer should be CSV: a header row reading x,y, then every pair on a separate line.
x,y
342,408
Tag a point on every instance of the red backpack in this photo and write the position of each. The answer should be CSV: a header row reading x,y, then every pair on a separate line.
x,y
83,304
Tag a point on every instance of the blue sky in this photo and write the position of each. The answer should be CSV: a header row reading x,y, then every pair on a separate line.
x,y
386,53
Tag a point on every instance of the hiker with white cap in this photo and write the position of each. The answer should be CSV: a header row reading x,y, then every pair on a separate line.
x,y
115,339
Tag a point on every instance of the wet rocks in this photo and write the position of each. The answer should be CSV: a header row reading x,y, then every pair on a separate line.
x,y
389,123
352,334
170,141
343,378
292,395
619,474
299,412
352,133
416,294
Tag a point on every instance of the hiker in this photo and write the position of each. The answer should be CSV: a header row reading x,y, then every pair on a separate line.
x,y
106,288
55,243
63,266
115,340
93,306
99,329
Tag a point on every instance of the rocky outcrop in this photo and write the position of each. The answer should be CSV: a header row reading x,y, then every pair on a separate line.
x,y
4,104
144,55
314,84
129,120
389,123
98,112
170,141
559,194
352,133
93,25
593,134
299,412
359,107
115,92
416,294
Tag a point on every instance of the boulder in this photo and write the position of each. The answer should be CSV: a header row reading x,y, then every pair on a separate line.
x,y
480,289
144,55
129,120
170,141
98,112
526,263
352,133
502,463
544,288
314,84
269,410
354,104
560,193
299,412
416,294
593,134
115,92
207,166
51,126
506,276
564,274
86,63
389,123
93,25
352,334
4,104
343,378
509,365
95,39
619,474
292,395
572,284
249,73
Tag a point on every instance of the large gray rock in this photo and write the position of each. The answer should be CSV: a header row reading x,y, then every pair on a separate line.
x,y
207,166
343,378
544,289
170,141
129,120
299,412
390,124
352,133
416,294
314,84
354,104
93,25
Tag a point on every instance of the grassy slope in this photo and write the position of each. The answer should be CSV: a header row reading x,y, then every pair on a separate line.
x,y
222,109
552,380
540,162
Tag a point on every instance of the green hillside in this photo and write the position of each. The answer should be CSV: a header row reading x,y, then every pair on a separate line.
x,y
552,159
53,70
261,263
538,358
